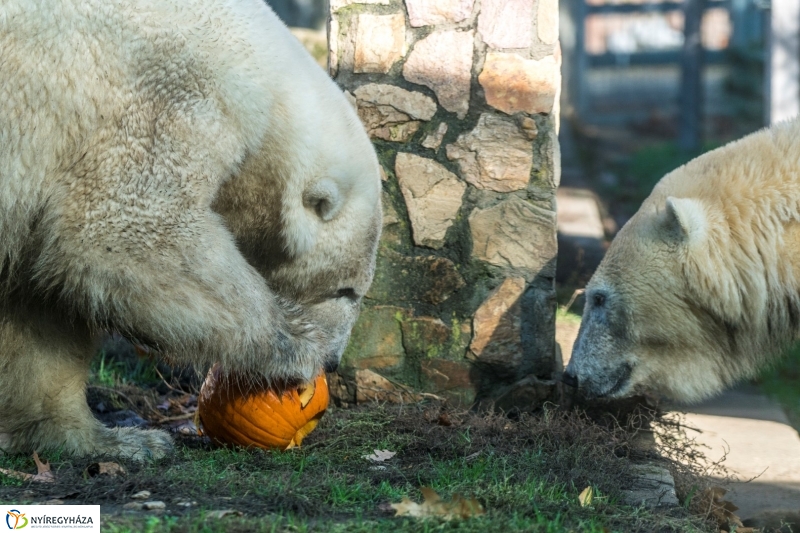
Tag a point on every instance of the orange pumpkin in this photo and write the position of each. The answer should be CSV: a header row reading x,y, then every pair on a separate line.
x,y
259,416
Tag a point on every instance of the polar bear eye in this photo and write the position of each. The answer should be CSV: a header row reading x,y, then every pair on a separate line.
x,y
599,299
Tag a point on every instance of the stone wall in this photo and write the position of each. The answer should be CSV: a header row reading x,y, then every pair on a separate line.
x,y
460,98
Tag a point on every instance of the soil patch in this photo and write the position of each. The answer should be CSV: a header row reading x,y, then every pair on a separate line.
x,y
527,473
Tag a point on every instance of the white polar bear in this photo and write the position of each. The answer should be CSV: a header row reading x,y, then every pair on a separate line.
x,y
701,288
180,171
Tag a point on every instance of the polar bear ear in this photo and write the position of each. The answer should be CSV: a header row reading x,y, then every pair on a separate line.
x,y
324,198
686,217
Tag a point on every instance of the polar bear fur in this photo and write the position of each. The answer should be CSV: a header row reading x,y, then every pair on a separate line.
x,y
701,288
180,171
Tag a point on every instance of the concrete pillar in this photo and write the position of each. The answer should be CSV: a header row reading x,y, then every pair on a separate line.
x,y
784,61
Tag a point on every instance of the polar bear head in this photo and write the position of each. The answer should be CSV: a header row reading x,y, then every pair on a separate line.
x,y
699,289
305,207
309,221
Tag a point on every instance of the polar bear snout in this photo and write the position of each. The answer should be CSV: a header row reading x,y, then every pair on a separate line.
x,y
602,363
332,363
569,379
596,378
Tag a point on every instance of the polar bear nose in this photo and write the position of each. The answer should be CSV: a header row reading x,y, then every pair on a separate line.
x,y
569,379
331,365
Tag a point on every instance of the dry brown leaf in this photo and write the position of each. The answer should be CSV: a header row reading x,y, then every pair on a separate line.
x,y
434,507
105,469
43,474
155,505
721,510
444,420
586,496
380,456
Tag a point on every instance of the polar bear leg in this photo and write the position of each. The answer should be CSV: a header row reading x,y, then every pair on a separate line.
x,y
44,364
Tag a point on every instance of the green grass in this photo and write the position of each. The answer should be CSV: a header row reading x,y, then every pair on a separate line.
x,y
513,522
569,317
527,474
642,170
112,372
782,382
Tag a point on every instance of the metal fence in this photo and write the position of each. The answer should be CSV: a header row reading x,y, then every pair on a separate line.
x,y
622,58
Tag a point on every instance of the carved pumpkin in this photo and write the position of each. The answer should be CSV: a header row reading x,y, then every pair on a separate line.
x,y
259,416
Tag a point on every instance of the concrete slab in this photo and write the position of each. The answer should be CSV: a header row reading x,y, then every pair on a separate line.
x,y
760,444
578,214
654,487
581,243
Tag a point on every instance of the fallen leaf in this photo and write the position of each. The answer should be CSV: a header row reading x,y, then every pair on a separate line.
x,y
434,507
136,506
473,456
444,420
188,428
154,506
43,474
223,513
185,503
380,456
105,469
721,510
586,496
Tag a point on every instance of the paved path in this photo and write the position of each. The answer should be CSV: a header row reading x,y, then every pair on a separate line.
x,y
752,428
760,444
581,242
755,433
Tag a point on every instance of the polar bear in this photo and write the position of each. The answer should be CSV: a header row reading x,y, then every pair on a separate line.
x,y
180,171
701,287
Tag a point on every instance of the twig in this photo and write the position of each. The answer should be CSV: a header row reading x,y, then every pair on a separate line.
x,y
113,391
170,387
431,396
185,416
574,297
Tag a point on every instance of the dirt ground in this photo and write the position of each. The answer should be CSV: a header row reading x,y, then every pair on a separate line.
x,y
527,473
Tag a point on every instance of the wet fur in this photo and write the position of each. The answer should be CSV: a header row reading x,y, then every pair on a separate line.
x,y
155,158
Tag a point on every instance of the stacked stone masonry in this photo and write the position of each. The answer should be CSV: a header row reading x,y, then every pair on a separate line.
x,y
460,98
